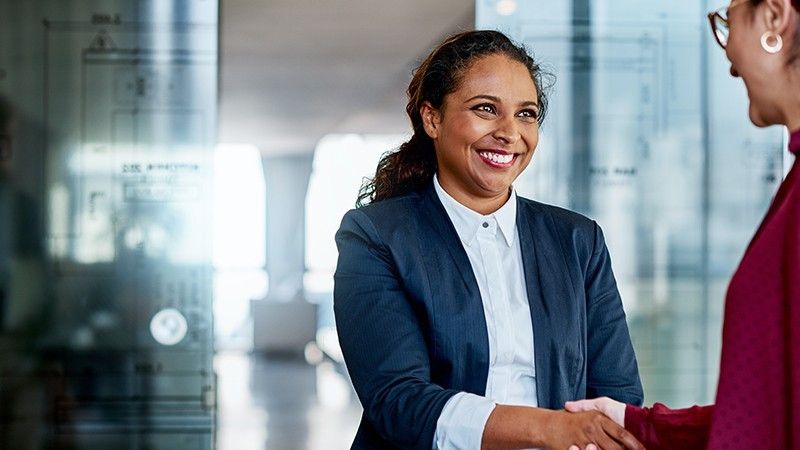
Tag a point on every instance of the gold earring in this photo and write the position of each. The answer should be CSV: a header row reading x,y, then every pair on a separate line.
x,y
776,47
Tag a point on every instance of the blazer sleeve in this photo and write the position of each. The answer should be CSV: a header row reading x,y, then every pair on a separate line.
x,y
382,339
612,369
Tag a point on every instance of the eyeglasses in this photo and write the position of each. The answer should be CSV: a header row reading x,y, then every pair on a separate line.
x,y
719,23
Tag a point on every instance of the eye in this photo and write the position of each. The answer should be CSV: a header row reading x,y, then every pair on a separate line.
x,y
529,114
485,108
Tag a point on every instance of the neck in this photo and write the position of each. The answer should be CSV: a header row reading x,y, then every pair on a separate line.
x,y
793,121
792,102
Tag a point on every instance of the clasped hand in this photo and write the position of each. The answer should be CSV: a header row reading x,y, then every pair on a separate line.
x,y
595,424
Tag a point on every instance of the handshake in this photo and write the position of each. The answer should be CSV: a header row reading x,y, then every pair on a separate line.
x,y
600,427
596,424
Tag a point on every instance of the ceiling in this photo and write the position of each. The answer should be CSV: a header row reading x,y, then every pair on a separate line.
x,y
293,71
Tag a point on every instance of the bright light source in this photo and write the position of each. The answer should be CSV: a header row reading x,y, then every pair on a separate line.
x,y
506,7
238,207
341,162
239,235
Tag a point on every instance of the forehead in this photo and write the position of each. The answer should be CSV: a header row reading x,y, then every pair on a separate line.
x,y
497,75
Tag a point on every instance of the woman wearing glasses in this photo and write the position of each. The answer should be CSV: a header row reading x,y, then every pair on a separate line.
x,y
758,396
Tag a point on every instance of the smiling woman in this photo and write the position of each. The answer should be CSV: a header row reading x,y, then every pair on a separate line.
x,y
457,328
443,73
489,134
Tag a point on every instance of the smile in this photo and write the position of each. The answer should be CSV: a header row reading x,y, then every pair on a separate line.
x,y
495,159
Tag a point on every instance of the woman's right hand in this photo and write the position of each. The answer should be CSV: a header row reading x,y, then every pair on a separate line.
x,y
588,428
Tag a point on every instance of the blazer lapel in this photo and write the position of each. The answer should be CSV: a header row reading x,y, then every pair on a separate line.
x,y
547,282
443,254
444,231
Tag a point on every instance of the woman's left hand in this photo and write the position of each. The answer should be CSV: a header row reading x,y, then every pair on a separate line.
x,y
613,409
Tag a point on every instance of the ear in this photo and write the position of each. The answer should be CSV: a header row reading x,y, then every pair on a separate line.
x,y
431,118
779,16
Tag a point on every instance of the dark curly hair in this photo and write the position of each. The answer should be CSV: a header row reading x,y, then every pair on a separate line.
x,y
413,165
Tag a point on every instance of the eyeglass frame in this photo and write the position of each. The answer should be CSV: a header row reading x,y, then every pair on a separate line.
x,y
717,13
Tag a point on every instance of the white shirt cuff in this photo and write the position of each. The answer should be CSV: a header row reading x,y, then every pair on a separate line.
x,y
461,424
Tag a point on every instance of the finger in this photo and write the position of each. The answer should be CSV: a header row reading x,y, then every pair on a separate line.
x,y
595,428
580,405
591,447
575,447
621,435
606,442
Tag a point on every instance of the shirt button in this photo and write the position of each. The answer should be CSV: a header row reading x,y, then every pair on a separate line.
x,y
485,224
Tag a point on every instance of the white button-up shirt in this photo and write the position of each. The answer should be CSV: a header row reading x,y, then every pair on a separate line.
x,y
492,245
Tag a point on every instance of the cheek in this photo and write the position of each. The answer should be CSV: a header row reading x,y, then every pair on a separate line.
x,y
462,133
531,142
531,139
472,131
526,161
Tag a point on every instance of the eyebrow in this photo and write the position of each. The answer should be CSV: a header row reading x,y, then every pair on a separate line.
x,y
497,99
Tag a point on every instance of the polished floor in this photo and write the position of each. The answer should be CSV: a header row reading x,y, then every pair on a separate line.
x,y
275,403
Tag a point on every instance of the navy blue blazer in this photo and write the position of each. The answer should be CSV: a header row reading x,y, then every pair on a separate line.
x,y
410,318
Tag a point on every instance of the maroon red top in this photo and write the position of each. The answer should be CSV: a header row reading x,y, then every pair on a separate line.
x,y
758,397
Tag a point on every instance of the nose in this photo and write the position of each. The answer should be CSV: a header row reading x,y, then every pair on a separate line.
x,y
507,131
734,72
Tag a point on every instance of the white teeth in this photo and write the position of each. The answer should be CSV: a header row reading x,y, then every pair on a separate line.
x,y
497,158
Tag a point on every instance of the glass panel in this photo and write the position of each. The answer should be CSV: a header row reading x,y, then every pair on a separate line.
x,y
648,134
106,332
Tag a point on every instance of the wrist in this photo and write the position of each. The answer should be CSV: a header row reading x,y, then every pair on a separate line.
x,y
541,422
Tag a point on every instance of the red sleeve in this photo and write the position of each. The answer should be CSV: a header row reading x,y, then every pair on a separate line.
x,y
661,428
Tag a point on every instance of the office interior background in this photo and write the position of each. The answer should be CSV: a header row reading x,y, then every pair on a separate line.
x,y
179,169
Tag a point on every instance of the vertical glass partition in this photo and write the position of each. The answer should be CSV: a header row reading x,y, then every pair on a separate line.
x,y
648,134
105,288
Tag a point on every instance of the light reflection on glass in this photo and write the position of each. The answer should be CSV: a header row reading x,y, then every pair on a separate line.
x,y
116,107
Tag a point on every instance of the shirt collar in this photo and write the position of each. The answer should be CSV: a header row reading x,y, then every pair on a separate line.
x,y
467,222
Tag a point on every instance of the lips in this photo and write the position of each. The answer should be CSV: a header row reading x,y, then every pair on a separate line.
x,y
497,158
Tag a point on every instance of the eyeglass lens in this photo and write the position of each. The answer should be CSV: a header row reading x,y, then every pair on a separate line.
x,y
721,29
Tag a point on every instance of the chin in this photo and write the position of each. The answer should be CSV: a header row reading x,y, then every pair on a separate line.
x,y
756,118
764,114
495,187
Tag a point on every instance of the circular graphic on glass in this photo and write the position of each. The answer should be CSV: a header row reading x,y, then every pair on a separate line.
x,y
168,326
